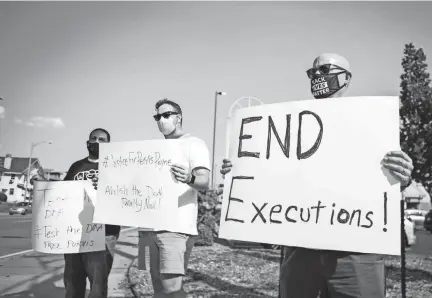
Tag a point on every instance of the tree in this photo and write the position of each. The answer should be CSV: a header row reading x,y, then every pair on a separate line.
x,y
416,113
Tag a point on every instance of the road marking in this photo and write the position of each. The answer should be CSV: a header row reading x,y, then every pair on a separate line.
x,y
11,217
16,254
31,250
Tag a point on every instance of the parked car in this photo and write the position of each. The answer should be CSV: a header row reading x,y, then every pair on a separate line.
x,y
417,216
22,208
427,224
410,236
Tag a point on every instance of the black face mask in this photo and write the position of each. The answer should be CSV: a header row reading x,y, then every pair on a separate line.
x,y
93,149
323,86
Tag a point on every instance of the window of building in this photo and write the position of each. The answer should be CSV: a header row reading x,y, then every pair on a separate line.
x,y
11,191
4,190
412,205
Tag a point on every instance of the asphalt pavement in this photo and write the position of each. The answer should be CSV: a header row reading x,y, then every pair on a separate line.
x,y
37,275
15,233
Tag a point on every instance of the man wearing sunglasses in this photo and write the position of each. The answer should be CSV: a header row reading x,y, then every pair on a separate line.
x,y
327,78
170,250
309,273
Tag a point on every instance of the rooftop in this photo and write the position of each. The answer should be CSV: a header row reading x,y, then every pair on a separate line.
x,y
18,165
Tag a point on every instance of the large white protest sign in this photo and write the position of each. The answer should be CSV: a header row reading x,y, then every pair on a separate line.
x,y
308,174
136,187
63,218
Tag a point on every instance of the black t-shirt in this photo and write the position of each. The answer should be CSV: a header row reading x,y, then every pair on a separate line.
x,y
86,170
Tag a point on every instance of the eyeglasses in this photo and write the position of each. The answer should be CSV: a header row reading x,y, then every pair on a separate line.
x,y
166,115
323,69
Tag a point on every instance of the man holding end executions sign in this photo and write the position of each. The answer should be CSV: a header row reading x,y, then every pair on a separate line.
x,y
95,265
170,250
309,273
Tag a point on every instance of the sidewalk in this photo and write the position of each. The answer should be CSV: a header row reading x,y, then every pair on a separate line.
x,y
39,275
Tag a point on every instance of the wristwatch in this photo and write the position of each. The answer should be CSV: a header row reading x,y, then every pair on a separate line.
x,y
406,186
192,179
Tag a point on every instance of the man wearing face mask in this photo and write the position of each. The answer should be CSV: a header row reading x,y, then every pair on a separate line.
x,y
309,273
95,266
170,250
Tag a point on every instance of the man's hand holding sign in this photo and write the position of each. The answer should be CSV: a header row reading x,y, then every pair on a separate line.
x,y
181,174
400,166
294,176
197,179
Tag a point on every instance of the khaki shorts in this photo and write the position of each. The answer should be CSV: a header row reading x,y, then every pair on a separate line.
x,y
165,252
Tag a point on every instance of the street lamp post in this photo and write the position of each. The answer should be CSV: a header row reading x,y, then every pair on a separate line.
x,y
247,101
30,163
238,103
2,115
217,93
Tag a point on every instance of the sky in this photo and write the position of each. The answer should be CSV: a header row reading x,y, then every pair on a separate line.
x,y
69,67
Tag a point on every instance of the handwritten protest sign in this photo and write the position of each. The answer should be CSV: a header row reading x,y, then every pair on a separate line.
x,y
308,174
63,218
136,187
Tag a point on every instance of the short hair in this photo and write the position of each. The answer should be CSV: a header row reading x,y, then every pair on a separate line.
x,y
166,101
103,130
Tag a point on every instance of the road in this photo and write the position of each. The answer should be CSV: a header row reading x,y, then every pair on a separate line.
x,y
38,275
15,233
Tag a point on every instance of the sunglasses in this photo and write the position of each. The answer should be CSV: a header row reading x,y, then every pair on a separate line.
x,y
323,69
166,115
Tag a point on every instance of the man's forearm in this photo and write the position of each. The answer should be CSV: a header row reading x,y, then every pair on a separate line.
x,y
201,182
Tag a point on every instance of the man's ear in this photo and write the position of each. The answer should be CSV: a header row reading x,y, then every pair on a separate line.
x,y
348,77
87,142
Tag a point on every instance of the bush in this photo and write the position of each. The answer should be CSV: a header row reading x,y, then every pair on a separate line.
x,y
209,210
